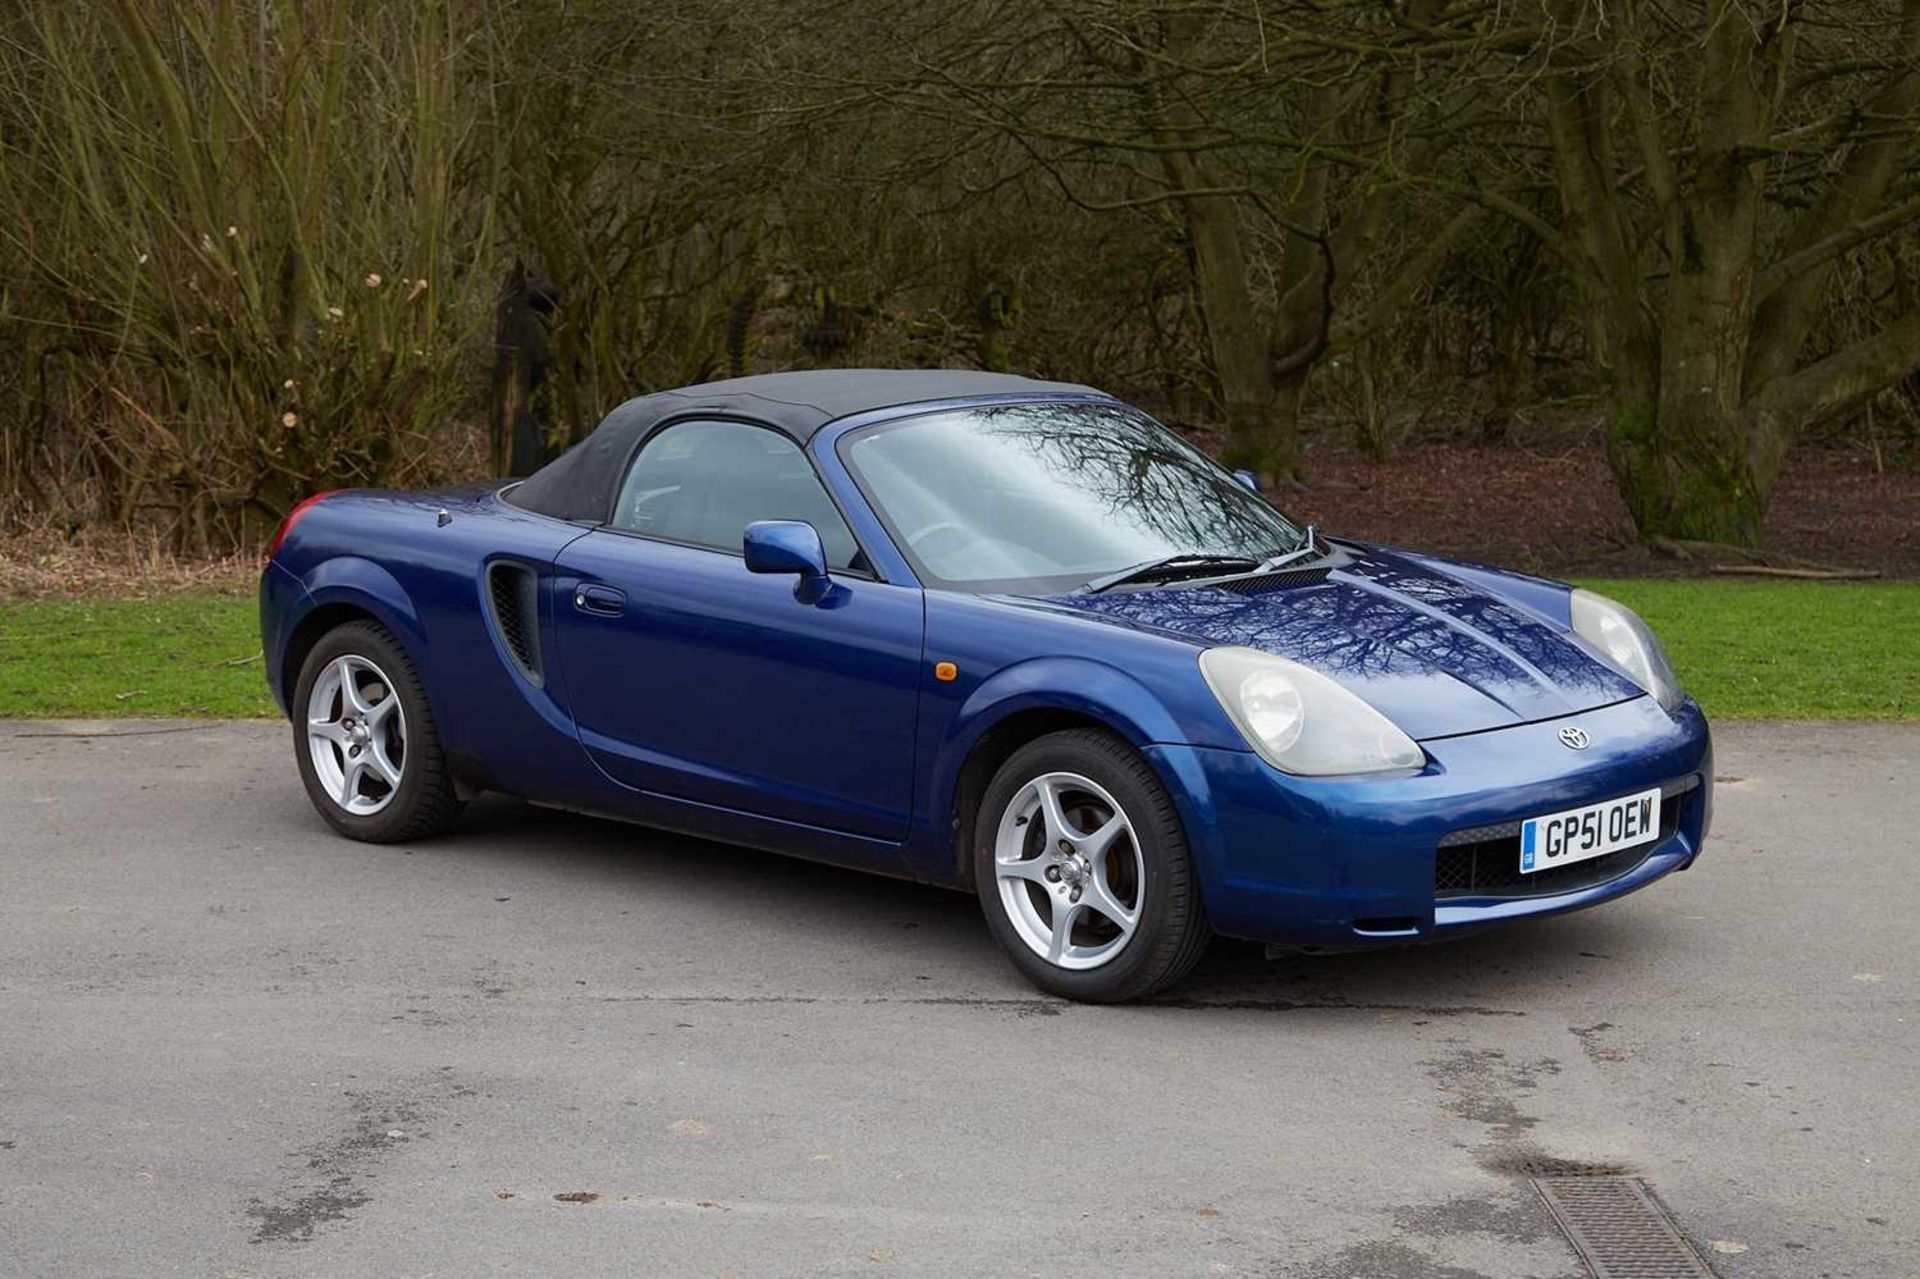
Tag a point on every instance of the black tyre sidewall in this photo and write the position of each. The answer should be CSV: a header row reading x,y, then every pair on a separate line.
x,y
1172,928
417,806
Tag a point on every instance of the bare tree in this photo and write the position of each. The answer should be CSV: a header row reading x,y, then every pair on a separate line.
x,y
1714,161
254,250
1273,140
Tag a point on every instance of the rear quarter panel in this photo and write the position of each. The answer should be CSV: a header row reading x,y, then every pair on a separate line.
x,y
416,563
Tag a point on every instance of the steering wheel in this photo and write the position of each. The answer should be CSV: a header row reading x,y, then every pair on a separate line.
x,y
920,536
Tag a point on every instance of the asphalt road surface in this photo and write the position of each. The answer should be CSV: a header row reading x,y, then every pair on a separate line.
x,y
234,1044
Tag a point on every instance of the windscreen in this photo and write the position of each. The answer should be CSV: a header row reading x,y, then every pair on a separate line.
x,y
1036,499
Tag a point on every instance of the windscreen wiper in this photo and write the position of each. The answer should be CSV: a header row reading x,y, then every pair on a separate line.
x,y
1300,552
1154,568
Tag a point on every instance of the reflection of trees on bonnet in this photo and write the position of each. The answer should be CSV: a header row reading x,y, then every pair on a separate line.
x,y
1530,640
1352,625
1143,475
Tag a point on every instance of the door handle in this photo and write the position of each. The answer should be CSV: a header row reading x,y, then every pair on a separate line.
x,y
600,601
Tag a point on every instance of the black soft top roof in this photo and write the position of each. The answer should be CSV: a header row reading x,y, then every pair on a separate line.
x,y
580,484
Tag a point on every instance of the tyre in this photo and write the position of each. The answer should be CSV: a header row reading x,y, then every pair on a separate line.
x,y
364,736
1083,871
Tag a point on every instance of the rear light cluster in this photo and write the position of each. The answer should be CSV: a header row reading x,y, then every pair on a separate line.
x,y
293,518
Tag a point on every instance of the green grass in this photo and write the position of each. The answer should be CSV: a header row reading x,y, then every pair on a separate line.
x,y
1796,650
1790,649
197,655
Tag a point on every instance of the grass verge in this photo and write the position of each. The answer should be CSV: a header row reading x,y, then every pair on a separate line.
x,y
194,655
1795,650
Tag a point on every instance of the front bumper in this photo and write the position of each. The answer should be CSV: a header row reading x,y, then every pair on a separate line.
x,y
1350,862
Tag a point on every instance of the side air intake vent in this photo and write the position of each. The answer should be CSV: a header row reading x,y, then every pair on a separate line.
x,y
513,595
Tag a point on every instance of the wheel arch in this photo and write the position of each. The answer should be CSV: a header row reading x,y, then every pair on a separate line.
x,y
310,630
1022,704
349,589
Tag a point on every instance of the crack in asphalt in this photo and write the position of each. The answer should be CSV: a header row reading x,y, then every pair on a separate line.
x,y
1044,1007
1340,1005
115,732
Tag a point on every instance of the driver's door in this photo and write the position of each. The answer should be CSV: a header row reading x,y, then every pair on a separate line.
x,y
693,679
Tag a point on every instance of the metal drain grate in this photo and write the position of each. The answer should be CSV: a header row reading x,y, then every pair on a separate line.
x,y
1618,1229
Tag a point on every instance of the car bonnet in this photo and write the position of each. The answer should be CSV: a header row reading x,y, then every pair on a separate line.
x,y
1434,654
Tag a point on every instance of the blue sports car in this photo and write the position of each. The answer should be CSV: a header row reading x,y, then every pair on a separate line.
x,y
996,634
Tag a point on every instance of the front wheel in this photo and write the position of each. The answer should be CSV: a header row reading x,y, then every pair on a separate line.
x,y
368,750
1083,871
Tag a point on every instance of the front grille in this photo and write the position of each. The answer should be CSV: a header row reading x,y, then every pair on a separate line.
x,y
513,593
1486,859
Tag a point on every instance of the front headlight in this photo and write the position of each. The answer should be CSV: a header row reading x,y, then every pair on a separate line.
x,y
1627,644
1300,721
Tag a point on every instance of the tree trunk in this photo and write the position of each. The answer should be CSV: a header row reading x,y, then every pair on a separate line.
x,y
1257,439
996,311
1841,383
1692,476
1683,472
1289,396
1677,439
517,425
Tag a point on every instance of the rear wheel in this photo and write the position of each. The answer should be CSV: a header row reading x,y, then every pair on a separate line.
x,y
368,750
1083,872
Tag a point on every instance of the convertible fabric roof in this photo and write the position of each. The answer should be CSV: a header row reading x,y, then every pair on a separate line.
x,y
580,484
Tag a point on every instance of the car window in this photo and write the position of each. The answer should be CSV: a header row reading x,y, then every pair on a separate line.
x,y
1031,499
704,482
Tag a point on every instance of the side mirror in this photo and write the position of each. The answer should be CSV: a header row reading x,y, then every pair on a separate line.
x,y
788,546
1249,479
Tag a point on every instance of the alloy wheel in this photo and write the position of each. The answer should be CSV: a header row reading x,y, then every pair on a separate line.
x,y
1069,869
356,735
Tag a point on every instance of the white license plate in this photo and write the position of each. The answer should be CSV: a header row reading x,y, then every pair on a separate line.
x,y
1560,839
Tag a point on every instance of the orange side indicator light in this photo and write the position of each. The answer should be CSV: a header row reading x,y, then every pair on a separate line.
x,y
946,672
